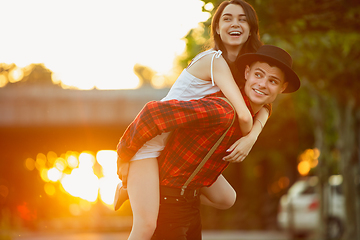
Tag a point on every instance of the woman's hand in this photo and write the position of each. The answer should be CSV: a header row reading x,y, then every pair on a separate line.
x,y
123,171
240,149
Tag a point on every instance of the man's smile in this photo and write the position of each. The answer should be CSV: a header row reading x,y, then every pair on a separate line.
x,y
259,92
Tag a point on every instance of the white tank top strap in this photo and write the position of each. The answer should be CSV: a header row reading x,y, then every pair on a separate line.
x,y
217,54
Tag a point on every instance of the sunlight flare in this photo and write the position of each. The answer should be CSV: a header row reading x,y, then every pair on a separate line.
x,y
98,43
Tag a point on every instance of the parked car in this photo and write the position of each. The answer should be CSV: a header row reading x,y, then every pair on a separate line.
x,y
299,209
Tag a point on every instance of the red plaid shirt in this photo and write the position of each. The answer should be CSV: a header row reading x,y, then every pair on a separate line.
x,y
196,126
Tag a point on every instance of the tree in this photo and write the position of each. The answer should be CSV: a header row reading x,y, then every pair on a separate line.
x,y
31,74
322,36
145,74
37,73
5,71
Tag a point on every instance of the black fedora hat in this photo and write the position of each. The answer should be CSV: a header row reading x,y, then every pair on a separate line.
x,y
276,56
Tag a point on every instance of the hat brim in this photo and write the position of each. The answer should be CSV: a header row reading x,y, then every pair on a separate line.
x,y
290,76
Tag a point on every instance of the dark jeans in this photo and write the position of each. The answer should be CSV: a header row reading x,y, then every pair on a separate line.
x,y
179,219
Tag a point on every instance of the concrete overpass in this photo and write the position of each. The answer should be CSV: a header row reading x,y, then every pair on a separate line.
x,y
51,106
38,119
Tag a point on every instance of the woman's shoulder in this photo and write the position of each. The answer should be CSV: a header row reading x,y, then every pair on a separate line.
x,y
202,66
209,52
207,56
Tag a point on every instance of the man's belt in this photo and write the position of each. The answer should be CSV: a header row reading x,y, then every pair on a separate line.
x,y
176,192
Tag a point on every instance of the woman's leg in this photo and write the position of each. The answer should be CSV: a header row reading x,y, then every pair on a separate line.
x,y
144,194
220,195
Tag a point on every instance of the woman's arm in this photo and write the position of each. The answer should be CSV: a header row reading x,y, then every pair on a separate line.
x,y
241,148
225,81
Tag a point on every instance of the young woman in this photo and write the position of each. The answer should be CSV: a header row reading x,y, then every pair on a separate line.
x,y
235,32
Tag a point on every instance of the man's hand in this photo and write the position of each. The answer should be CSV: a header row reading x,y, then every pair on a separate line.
x,y
123,171
240,149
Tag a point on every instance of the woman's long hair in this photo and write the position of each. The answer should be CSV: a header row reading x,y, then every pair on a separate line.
x,y
250,46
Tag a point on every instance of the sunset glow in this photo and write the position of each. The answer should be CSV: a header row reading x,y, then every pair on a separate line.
x,y
107,160
89,44
78,175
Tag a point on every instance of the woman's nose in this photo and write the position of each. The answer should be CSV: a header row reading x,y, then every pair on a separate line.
x,y
235,24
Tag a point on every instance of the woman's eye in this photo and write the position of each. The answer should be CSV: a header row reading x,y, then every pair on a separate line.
x,y
242,19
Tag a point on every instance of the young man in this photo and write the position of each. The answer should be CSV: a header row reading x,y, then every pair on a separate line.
x,y
196,126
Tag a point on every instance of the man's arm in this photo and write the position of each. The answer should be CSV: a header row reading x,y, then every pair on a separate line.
x,y
164,116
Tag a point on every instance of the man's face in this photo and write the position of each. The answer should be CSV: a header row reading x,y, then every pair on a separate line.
x,y
263,84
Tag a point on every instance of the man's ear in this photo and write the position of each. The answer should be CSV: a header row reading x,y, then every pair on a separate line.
x,y
284,86
247,72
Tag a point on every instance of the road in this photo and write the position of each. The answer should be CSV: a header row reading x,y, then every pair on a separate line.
x,y
207,235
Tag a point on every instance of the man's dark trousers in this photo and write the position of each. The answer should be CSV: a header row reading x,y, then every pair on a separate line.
x,y
179,217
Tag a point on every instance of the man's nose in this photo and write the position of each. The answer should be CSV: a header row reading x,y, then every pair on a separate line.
x,y
262,82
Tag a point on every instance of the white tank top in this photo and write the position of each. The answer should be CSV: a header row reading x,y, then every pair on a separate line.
x,y
186,87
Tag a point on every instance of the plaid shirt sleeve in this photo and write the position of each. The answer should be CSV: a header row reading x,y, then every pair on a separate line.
x,y
164,116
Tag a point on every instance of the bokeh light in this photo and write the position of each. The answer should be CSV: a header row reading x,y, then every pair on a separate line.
x,y
307,161
4,191
54,174
30,164
281,184
49,189
304,168
209,7
15,75
78,176
72,161
3,80
40,161
44,175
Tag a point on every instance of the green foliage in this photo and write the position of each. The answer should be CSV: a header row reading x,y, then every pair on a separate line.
x,y
145,74
322,36
37,73
33,73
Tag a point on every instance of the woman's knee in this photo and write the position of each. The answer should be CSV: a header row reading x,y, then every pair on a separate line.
x,y
227,201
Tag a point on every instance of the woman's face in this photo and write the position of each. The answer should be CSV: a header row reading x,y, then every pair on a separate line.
x,y
233,27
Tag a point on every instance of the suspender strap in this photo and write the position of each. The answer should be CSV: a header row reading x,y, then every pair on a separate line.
x,y
208,155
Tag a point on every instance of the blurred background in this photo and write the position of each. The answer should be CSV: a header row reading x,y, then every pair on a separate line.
x,y
74,74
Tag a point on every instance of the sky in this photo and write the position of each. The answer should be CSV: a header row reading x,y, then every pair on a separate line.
x,y
88,43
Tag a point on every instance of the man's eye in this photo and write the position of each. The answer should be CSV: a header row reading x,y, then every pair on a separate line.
x,y
258,75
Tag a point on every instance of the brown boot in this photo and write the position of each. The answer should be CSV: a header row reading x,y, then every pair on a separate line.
x,y
121,195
